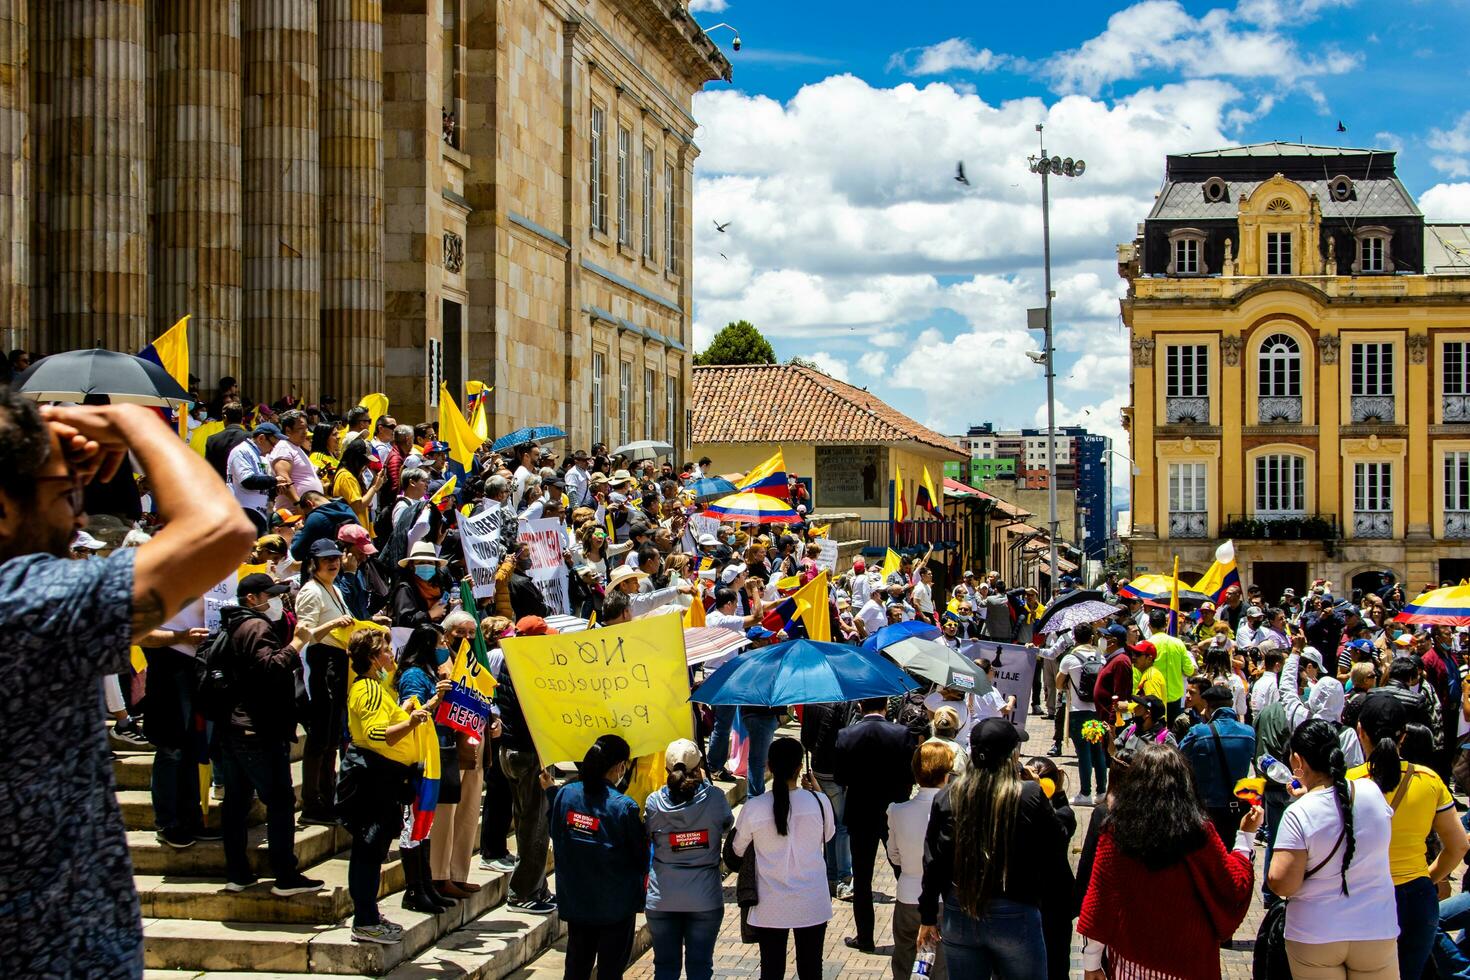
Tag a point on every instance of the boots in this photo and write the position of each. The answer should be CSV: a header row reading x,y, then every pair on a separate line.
x,y
444,902
417,897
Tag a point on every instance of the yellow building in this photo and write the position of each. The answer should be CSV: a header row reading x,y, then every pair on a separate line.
x,y
1300,372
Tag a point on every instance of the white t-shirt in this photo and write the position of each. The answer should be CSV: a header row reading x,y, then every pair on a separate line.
x,y
1319,912
1071,665
791,874
907,825
1263,691
923,599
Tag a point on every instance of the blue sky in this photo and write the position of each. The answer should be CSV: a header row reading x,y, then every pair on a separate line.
x,y
832,156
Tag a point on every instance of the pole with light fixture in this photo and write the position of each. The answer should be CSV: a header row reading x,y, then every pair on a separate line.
x,y
735,44
1045,166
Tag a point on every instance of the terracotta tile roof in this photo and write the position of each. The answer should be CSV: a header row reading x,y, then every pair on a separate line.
x,y
790,403
1001,506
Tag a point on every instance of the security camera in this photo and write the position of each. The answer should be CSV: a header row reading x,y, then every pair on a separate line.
x,y
1036,355
736,43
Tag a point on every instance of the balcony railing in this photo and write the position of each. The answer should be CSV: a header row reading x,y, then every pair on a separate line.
x,y
1280,408
1373,524
1187,411
1298,527
1189,524
1457,523
908,534
1456,408
1372,409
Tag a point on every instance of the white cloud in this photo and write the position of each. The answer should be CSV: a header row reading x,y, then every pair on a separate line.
x,y
874,362
707,6
1453,145
954,54
836,367
1104,417
1160,35
1446,202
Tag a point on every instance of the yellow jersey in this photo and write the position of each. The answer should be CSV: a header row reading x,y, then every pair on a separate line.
x,y
371,708
1412,820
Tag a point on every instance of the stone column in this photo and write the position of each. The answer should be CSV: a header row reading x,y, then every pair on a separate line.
x,y
196,230
99,208
15,152
352,198
41,178
281,332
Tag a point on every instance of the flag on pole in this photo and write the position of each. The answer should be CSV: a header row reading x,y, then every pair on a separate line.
x,y
739,756
768,478
891,563
441,497
1174,601
477,638
925,498
815,614
454,430
900,506
170,351
694,615
1221,576
377,406
426,797
479,422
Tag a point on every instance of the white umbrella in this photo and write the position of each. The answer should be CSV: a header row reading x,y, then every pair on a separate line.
x,y
644,449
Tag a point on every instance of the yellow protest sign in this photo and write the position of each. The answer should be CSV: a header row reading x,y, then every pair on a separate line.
x,y
630,680
343,634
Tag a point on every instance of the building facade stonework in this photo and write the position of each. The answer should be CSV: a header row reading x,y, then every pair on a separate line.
x,y
358,195
1301,372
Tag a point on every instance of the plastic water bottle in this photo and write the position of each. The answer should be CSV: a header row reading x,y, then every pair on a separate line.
x,y
924,962
1277,771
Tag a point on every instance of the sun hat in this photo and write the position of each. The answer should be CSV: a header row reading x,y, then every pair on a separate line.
x,y
622,573
423,551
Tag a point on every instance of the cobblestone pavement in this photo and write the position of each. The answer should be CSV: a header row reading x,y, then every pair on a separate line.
x,y
735,959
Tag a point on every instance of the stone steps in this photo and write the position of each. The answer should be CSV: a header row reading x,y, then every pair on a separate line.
x,y
174,897
133,768
207,858
137,806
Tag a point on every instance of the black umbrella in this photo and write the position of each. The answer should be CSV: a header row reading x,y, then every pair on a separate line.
x,y
1070,599
72,376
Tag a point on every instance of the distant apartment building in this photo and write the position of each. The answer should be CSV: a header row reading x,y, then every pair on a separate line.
x,y
1020,456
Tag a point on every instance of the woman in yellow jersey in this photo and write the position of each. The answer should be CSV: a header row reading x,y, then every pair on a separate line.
x,y
1421,804
372,803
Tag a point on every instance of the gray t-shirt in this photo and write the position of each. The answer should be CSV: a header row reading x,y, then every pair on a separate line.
x,y
685,876
68,906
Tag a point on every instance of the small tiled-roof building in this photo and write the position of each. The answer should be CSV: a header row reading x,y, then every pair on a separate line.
x,y
844,441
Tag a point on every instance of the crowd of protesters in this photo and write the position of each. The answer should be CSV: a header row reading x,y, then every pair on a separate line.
x,y
353,520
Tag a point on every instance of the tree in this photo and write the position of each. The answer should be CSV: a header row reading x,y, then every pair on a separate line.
x,y
738,343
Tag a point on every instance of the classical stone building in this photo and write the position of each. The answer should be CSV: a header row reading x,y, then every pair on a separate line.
x,y
357,195
1301,371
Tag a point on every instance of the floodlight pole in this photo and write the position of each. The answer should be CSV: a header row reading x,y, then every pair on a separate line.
x,y
1051,398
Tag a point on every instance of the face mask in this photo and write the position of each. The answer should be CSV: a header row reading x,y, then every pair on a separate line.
x,y
425,572
384,674
523,564
273,609
440,656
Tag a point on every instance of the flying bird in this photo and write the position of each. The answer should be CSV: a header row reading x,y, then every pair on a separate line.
x,y
724,256
721,227
1340,127
959,173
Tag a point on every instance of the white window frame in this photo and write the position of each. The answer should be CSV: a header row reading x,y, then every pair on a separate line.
x,y
1188,488
1280,485
1373,253
1278,253
1280,367
670,409
1371,368
1187,371
1457,480
1372,487
670,234
625,385
597,160
1454,369
1186,256
625,204
650,187
650,392
599,397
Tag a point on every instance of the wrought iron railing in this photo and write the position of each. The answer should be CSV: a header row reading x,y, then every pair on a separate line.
x,y
1372,409
1296,527
1456,408
1187,411
1279,408
1457,523
1189,524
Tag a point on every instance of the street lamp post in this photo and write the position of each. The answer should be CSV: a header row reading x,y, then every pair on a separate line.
x,y
1045,166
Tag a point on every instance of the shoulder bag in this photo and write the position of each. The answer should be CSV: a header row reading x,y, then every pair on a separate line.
x,y
1268,961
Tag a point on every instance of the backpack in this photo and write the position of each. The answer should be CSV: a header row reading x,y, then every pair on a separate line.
x,y
215,699
1092,666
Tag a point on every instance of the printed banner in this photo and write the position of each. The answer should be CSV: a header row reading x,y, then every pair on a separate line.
x,y
466,706
483,550
630,680
700,525
548,568
1015,666
828,558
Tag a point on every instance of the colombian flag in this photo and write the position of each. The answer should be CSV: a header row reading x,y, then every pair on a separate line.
x,y
814,598
900,506
426,797
925,498
1221,575
779,616
768,478
171,352
739,758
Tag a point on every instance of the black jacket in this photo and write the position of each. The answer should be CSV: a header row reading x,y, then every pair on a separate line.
x,y
525,597
218,446
820,726
873,758
263,671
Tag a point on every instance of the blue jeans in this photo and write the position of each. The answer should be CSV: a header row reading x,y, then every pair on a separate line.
x,y
762,731
1276,800
255,765
1091,756
1005,943
1452,958
1418,911
719,736
686,936
838,851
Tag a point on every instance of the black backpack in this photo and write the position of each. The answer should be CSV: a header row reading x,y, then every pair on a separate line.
x,y
215,699
1092,666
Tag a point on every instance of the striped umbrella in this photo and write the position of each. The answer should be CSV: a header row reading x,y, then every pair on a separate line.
x,y
1157,589
702,643
1440,607
752,508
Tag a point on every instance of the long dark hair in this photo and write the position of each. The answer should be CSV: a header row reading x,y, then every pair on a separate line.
x,y
355,457
1384,729
1154,815
684,783
606,752
985,801
419,651
784,761
1316,742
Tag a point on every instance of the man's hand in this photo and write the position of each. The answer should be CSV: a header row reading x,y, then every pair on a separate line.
x,y
929,936
93,438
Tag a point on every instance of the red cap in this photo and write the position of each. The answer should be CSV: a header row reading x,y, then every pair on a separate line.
x,y
533,626
1142,647
356,536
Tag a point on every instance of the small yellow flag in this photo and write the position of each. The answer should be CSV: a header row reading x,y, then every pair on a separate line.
x,y
442,492
694,615
343,634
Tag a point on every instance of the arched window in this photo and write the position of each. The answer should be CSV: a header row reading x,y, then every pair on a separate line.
x,y
1281,367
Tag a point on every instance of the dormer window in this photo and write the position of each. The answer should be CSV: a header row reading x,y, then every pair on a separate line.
x,y
1187,253
1278,253
1375,252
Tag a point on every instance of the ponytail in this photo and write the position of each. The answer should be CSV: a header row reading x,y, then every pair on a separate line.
x,y
784,761
1315,741
1337,768
606,752
1384,764
683,784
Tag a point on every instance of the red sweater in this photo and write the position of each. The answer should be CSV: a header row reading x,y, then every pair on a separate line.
x,y
1172,919
1114,684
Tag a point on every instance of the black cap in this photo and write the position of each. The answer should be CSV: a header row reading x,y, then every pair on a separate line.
x,y
1151,704
1217,695
992,742
258,582
325,548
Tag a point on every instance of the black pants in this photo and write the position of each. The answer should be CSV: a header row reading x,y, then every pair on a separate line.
x,y
496,809
257,765
1059,721
1227,822
325,720
809,942
865,842
1056,929
609,946
370,844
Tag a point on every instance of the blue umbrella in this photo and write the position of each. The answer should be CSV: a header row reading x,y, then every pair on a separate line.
x,y
803,672
533,433
710,487
892,633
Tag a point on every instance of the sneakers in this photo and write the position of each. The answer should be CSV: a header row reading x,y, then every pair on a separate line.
x,y
384,934
318,820
1082,799
533,907
176,838
240,886
297,885
844,891
505,864
129,734
216,792
1055,750
207,834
